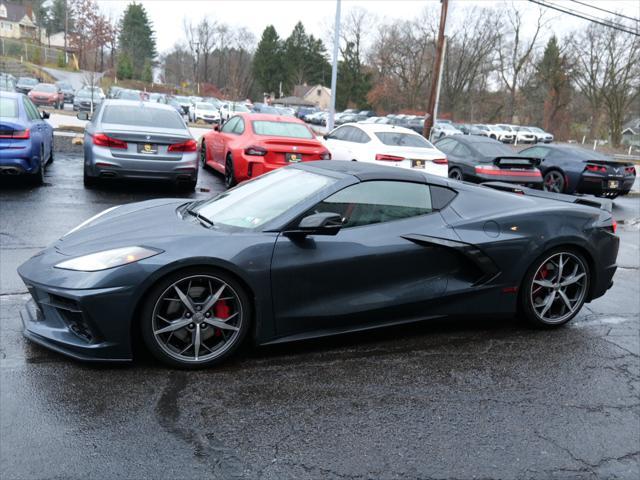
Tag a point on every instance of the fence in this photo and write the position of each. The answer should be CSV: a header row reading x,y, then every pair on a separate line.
x,y
30,52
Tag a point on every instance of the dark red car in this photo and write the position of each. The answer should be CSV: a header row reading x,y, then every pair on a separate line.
x,y
250,144
47,94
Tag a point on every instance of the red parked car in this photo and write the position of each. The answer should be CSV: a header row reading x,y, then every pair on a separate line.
x,y
47,94
250,144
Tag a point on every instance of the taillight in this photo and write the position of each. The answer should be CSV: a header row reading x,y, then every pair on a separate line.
x,y
630,170
497,171
614,226
188,146
326,155
596,168
383,157
102,140
441,161
255,151
17,134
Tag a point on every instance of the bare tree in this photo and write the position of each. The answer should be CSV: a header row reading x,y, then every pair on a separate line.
x,y
469,58
515,50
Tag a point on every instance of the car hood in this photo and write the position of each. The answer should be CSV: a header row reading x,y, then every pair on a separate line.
x,y
154,223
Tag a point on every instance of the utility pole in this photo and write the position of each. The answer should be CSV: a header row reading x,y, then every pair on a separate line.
x,y
334,68
435,83
66,27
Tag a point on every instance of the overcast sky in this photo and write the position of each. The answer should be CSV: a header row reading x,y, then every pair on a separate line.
x,y
317,15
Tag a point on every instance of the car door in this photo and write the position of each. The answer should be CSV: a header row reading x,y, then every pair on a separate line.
x,y
219,140
447,146
42,130
372,271
337,144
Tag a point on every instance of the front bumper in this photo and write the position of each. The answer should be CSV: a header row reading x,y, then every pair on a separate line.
x,y
42,102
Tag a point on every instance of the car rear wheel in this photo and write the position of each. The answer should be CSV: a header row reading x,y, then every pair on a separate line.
x,y
554,182
555,288
455,174
89,181
195,318
37,177
203,154
229,173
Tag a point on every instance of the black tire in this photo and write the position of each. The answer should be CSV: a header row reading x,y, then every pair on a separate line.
x,y
37,178
203,155
554,181
530,292
187,186
51,159
229,173
89,181
456,174
154,296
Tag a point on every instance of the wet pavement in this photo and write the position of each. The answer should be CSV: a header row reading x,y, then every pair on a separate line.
x,y
465,398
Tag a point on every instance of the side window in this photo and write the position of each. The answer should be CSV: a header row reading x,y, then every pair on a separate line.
x,y
32,111
372,202
461,151
538,152
338,134
447,145
359,136
239,126
230,125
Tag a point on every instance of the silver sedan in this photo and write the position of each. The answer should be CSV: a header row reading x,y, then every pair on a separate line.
x,y
134,139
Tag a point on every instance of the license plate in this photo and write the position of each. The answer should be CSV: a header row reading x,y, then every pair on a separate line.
x,y
417,163
293,157
613,184
147,148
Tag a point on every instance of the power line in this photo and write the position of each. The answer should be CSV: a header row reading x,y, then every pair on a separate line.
x,y
584,17
593,18
606,11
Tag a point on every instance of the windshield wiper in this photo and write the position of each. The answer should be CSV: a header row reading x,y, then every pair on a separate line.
x,y
201,218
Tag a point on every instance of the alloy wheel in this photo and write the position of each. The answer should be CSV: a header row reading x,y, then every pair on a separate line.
x,y
455,174
559,287
197,319
553,182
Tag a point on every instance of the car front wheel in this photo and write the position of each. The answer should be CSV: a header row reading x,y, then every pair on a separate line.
x,y
229,173
195,318
555,288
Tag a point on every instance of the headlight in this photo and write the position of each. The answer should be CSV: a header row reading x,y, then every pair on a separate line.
x,y
88,221
108,259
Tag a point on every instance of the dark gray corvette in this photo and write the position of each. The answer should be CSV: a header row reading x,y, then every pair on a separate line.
x,y
310,250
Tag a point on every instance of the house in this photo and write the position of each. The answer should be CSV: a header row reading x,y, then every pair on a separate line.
x,y
317,95
293,102
631,133
18,21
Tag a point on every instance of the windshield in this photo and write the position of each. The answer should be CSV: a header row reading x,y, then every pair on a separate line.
x,y
142,116
45,87
8,107
85,94
396,139
238,107
63,85
493,149
204,106
536,129
281,129
27,81
261,200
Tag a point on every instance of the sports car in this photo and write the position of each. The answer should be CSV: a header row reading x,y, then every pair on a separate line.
x,y
310,250
573,169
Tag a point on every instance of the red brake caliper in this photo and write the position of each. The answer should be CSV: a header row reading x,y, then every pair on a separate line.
x,y
221,310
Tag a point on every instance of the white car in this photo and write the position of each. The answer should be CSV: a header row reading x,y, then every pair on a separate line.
x,y
385,145
229,109
541,135
521,134
497,132
444,129
204,112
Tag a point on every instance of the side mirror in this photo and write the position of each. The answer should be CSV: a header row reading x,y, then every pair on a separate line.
x,y
326,136
327,223
83,115
216,127
44,115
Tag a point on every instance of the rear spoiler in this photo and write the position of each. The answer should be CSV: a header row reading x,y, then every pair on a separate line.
x,y
516,161
602,204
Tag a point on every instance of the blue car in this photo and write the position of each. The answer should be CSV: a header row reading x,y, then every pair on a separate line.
x,y
26,140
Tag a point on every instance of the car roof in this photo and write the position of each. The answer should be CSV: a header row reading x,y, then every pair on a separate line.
x,y
370,171
137,103
269,117
380,128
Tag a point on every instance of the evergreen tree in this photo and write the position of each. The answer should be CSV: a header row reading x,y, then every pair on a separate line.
x,y
552,78
353,82
137,39
305,59
267,61
124,68
57,17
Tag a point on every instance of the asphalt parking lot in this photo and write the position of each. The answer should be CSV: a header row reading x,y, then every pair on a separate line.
x,y
464,398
